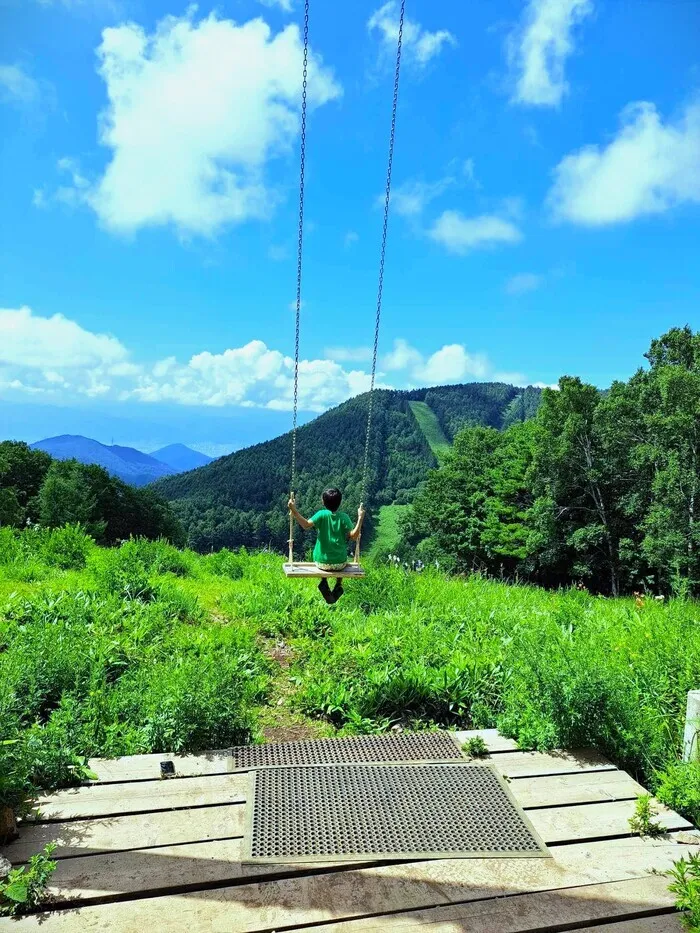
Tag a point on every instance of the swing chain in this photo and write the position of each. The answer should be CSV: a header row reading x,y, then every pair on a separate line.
x,y
302,166
380,289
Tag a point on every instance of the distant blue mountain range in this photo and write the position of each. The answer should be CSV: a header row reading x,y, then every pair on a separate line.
x,y
181,458
127,463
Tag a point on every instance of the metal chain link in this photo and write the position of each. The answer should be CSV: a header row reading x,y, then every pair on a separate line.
x,y
380,289
302,166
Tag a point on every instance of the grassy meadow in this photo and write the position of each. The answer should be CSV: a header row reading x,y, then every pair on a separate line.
x,y
148,648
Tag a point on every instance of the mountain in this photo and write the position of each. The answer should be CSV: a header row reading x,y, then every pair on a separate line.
x,y
181,458
241,499
131,465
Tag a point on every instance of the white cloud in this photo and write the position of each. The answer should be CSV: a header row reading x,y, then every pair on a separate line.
x,y
460,234
59,360
525,282
16,86
419,45
196,110
412,197
284,5
452,363
350,238
648,168
348,354
539,47
403,356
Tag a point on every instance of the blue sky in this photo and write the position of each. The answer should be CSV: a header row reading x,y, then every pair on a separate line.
x,y
545,218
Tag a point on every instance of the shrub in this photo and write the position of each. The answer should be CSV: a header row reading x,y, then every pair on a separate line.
x,y
225,563
24,887
66,548
123,572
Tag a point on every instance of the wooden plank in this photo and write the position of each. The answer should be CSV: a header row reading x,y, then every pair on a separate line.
x,y
303,899
494,741
171,828
138,871
311,570
114,834
111,799
567,907
595,821
515,763
532,764
147,767
564,789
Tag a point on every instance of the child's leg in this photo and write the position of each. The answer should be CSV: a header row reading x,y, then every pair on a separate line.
x,y
326,590
337,590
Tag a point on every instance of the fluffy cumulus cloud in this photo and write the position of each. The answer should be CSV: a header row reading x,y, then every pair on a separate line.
x,y
648,168
196,110
460,234
539,47
58,360
16,86
452,363
419,44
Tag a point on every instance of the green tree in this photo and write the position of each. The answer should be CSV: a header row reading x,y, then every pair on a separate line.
x,y
67,498
22,471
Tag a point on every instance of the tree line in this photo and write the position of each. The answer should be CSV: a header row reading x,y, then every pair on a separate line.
x,y
36,489
600,488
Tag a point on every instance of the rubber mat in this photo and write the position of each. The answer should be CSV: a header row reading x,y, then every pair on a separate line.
x,y
358,812
409,746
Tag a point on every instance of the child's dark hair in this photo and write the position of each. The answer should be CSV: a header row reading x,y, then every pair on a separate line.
x,y
332,499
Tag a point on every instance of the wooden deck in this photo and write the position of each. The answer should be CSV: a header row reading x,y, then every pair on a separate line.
x,y
138,854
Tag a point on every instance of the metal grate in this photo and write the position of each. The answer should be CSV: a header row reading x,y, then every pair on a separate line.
x,y
355,812
416,746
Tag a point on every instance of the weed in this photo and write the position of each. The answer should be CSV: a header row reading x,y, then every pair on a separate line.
x,y
685,884
475,748
24,887
643,821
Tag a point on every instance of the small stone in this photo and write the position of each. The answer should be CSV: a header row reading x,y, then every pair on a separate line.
x,y
688,839
5,867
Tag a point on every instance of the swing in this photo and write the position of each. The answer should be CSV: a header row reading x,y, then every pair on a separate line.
x,y
353,569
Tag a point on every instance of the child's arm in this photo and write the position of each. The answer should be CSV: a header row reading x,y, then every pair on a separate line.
x,y
355,533
304,522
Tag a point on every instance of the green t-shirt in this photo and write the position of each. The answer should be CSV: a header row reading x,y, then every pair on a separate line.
x,y
332,543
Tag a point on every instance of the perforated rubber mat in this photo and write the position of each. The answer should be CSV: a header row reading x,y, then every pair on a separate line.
x,y
354,812
415,746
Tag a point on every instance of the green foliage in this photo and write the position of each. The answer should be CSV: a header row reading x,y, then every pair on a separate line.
x,y
643,821
679,788
475,748
24,887
685,884
601,488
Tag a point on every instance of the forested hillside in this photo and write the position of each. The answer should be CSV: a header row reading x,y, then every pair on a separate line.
x,y
241,499
600,487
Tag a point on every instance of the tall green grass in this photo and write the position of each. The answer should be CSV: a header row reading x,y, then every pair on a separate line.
x,y
387,537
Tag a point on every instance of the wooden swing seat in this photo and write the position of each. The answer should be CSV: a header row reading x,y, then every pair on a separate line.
x,y
311,570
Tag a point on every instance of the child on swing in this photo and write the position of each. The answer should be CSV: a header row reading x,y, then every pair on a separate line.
x,y
334,528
